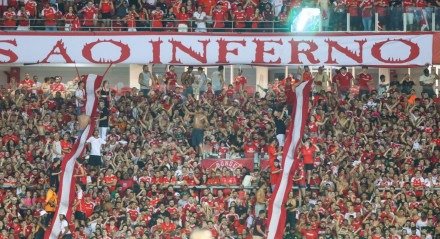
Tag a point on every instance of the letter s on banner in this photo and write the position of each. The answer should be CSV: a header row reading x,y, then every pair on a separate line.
x,y
9,53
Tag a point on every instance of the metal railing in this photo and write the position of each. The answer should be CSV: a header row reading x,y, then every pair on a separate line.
x,y
346,18
151,25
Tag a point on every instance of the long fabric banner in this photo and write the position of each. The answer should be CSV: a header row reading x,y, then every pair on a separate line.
x,y
66,190
372,49
289,164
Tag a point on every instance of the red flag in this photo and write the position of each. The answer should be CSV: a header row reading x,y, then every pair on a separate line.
x,y
294,134
66,190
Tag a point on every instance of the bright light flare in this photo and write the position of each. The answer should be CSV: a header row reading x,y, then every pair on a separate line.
x,y
307,20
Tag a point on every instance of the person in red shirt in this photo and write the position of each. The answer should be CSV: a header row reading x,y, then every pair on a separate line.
x,y
85,209
306,74
106,9
157,16
183,19
256,19
171,78
239,17
342,82
381,7
50,17
130,19
230,92
249,149
110,180
275,173
308,153
9,17
57,86
364,80
168,226
69,17
27,83
367,14
23,16
309,232
353,10
219,17
89,14
31,7
66,145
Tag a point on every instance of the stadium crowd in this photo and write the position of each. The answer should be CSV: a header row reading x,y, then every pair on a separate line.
x,y
216,15
369,158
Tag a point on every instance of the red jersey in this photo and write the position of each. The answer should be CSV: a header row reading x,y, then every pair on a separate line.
x,y
28,83
308,154
86,208
226,5
256,19
417,182
157,16
31,6
239,17
382,7
9,19
309,234
182,17
49,14
57,87
219,17
421,3
23,16
131,20
69,17
343,80
89,14
110,179
133,214
207,5
406,4
171,78
168,227
364,81
106,7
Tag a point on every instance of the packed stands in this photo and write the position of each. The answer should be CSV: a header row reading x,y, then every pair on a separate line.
x,y
370,157
221,15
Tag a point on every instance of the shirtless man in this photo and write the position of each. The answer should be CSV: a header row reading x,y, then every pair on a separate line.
x,y
200,122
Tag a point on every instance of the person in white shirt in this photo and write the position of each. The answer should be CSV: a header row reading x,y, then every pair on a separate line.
x,y
64,228
56,147
200,18
383,86
217,81
427,81
95,149
80,97
321,79
203,80
145,79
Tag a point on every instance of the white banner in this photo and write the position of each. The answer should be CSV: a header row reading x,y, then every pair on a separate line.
x,y
211,49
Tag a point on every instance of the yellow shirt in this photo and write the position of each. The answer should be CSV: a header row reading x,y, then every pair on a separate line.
x,y
51,201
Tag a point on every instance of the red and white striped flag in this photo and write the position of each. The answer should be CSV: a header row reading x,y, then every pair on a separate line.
x,y
289,164
66,190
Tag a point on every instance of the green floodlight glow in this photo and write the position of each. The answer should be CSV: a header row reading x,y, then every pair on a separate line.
x,y
307,20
